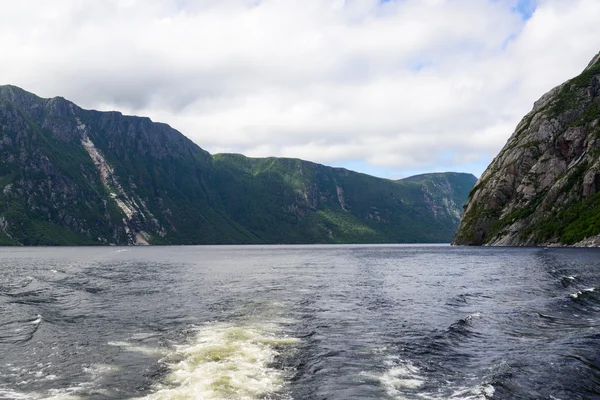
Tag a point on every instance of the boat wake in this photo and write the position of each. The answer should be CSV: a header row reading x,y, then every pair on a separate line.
x,y
227,361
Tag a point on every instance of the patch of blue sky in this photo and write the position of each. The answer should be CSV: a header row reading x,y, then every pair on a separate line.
x,y
445,164
525,8
476,168
508,41
418,65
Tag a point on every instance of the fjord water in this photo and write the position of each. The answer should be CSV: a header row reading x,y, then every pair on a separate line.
x,y
299,322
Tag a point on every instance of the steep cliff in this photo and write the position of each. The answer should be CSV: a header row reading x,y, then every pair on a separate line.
x,y
70,176
73,176
543,188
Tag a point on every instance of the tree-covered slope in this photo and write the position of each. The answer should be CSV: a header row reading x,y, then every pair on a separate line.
x,y
285,200
543,188
70,176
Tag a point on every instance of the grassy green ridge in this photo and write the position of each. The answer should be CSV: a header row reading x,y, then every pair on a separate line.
x,y
285,200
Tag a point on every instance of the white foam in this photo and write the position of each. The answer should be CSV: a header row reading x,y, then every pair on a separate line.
x,y
580,292
9,394
482,392
143,335
149,351
471,316
226,361
64,396
80,391
401,375
99,370
401,378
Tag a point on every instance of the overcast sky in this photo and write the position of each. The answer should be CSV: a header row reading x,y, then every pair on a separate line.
x,y
391,88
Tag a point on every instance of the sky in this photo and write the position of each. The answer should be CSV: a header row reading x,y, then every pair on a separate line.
x,y
390,88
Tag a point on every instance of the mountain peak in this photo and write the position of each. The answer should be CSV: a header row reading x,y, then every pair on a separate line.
x,y
593,62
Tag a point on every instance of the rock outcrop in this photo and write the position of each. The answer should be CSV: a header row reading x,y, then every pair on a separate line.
x,y
70,176
543,187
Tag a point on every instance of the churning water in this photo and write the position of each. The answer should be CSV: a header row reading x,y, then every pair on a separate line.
x,y
299,322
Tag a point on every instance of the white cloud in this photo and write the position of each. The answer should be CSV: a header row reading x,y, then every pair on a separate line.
x,y
405,84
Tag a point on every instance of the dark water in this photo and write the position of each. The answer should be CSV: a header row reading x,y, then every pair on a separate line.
x,y
310,322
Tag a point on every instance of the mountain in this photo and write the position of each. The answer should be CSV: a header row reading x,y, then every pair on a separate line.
x,y
70,176
73,176
543,188
285,200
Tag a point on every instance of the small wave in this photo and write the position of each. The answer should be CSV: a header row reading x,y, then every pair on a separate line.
x,y
479,392
19,331
16,285
85,389
11,394
401,376
482,392
227,361
143,335
547,317
577,294
99,370
149,351
567,281
462,327
58,395
471,316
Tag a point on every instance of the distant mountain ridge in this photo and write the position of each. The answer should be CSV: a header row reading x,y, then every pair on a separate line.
x,y
70,176
295,200
543,188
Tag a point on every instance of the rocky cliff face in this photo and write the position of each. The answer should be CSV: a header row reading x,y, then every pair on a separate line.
x,y
70,176
543,187
73,176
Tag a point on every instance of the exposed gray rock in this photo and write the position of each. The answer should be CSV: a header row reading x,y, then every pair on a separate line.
x,y
542,188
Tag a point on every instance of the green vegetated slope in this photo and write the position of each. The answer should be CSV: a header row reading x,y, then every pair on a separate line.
x,y
70,176
543,188
285,200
